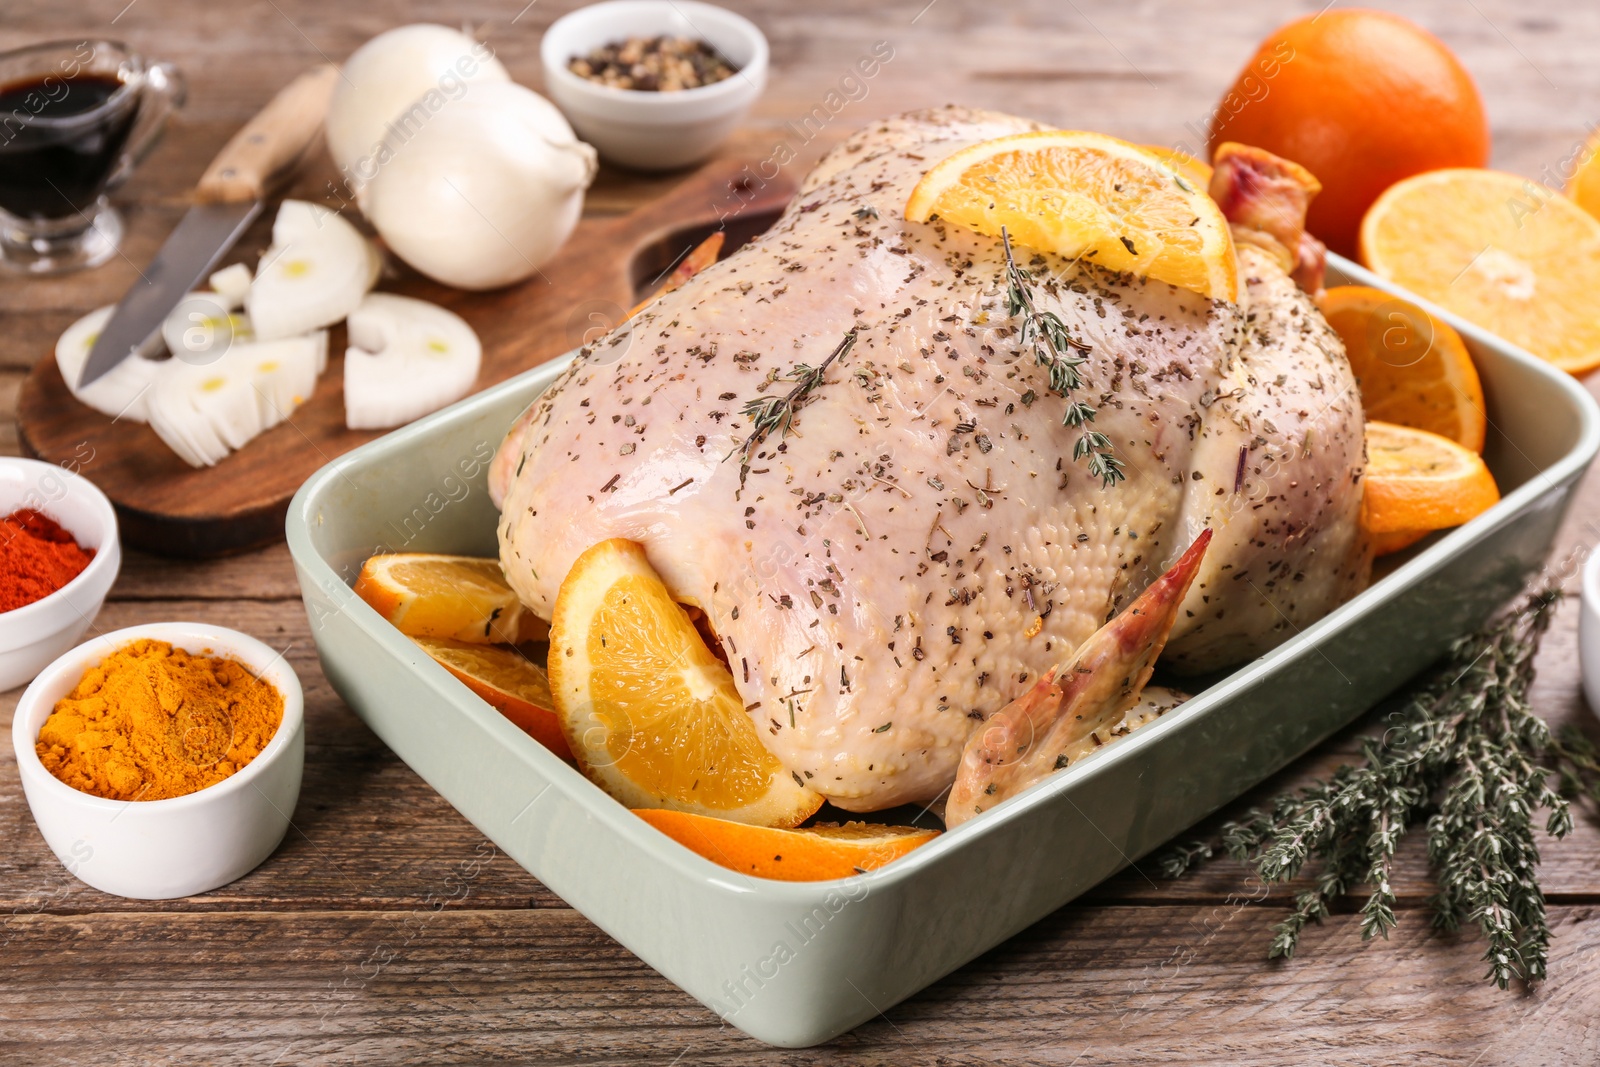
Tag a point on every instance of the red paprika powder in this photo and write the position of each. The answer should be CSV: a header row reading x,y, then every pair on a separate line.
x,y
37,557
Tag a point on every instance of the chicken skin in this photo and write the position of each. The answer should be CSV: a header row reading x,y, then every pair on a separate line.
x,y
834,444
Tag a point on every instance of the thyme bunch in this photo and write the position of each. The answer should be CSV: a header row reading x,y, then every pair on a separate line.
x,y
1577,765
1061,355
1466,757
776,413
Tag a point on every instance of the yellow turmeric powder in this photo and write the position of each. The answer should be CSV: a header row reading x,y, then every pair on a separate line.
x,y
152,722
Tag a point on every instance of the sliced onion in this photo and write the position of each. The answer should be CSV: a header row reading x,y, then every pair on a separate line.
x,y
231,284
406,358
316,272
177,417
202,326
205,411
123,391
285,373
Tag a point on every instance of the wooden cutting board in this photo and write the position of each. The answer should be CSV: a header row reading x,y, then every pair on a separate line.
x,y
167,507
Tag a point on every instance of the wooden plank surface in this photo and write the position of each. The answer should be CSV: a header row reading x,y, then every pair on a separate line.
x,y
332,952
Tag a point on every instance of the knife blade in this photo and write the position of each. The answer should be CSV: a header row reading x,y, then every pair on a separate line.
x,y
227,199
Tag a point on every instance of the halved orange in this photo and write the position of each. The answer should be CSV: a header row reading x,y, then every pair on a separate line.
x,y
461,597
1500,251
653,716
1089,197
511,683
1584,185
810,854
1417,481
1413,369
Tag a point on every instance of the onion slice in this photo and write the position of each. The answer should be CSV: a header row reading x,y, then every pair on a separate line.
x,y
316,272
205,411
231,284
406,358
123,391
203,326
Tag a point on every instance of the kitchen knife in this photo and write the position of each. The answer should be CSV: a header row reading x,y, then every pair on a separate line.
x,y
227,200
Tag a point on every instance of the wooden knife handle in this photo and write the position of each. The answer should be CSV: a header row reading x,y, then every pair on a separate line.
x,y
271,142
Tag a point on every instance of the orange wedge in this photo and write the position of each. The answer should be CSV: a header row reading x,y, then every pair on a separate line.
x,y
1089,197
1413,369
1385,544
1418,482
512,684
812,854
1198,171
650,713
461,597
1500,251
1584,185
702,256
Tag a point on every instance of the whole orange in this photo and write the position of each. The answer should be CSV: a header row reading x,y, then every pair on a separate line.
x,y
1361,99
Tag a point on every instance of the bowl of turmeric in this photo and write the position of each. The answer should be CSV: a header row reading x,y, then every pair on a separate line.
x,y
164,760
59,556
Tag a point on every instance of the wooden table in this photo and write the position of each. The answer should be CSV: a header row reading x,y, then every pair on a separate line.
x,y
339,949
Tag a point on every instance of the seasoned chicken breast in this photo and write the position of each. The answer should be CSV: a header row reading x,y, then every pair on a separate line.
x,y
920,546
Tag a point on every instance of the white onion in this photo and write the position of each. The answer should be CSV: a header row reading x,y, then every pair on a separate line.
x,y
316,272
205,411
485,192
231,284
285,373
123,391
407,358
385,79
202,326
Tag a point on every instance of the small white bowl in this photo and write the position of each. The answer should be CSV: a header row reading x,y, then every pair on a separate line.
x,y
654,130
37,633
159,849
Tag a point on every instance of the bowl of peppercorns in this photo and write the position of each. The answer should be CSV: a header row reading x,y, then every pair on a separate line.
x,y
59,555
654,84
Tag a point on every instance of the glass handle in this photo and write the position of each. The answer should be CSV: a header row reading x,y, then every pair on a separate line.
x,y
162,93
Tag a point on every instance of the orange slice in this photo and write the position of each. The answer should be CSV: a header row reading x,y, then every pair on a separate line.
x,y
1087,197
511,683
1584,186
704,254
1413,369
1385,544
1198,171
1498,250
812,854
651,714
461,597
1419,481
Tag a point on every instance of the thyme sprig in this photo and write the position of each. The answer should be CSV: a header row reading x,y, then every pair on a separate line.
x,y
769,413
1577,765
1061,355
1465,756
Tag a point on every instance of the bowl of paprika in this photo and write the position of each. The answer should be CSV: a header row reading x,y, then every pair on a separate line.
x,y
59,555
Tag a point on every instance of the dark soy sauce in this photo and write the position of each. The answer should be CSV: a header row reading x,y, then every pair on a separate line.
x,y
53,171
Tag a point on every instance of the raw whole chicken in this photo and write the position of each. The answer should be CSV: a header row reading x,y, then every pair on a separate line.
x,y
913,547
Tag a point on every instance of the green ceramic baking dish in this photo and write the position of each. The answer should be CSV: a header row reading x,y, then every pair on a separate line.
x,y
797,963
